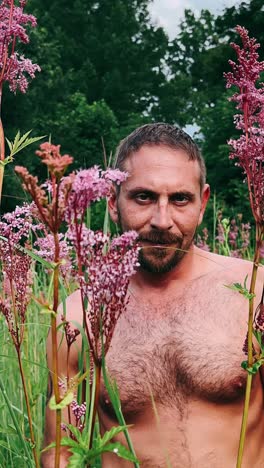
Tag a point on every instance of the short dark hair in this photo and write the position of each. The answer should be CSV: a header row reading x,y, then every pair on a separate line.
x,y
159,134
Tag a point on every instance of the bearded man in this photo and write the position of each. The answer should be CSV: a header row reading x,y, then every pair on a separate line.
x,y
177,349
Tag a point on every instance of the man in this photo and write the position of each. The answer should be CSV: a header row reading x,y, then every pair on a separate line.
x,y
177,350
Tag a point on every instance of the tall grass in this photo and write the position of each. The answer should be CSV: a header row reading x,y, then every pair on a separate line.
x,y
13,451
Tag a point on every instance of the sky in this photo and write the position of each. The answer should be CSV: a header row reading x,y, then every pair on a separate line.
x,y
168,13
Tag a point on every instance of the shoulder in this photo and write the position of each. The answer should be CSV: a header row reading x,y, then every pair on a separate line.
x,y
232,270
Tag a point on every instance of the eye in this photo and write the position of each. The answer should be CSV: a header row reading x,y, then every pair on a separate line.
x,y
143,198
180,198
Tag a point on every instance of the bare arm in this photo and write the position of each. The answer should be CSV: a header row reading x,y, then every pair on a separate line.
x,y
74,312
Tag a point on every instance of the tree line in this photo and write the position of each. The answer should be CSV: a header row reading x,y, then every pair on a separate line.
x,y
107,68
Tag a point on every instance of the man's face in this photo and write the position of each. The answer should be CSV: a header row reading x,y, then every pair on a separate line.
x,y
162,201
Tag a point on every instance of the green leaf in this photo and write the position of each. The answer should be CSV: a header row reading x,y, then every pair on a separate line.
x,y
258,336
48,311
63,403
241,289
77,461
112,433
116,447
65,442
254,369
75,431
21,142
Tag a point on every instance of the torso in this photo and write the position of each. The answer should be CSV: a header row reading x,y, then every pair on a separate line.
x,y
177,358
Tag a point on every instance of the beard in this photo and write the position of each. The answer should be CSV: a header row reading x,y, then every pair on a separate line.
x,y
157,259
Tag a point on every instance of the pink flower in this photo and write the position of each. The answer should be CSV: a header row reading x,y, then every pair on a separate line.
x,y
45,248
107,267
249,148
16,268
15,68
90,185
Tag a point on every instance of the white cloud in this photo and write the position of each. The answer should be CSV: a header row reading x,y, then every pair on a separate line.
x,y
168,13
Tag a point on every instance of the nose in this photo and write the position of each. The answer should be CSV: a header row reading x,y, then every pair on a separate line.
x,y
161,218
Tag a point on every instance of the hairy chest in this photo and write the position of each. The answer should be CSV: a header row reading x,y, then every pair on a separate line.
x,y
175,349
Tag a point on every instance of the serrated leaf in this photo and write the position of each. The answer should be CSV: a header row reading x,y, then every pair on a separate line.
x,y
112,433
65,442
21,142
241,289
63,403
9,144
77,461
116,447
75,431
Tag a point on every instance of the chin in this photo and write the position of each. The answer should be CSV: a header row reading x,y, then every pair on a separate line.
x,y
156,265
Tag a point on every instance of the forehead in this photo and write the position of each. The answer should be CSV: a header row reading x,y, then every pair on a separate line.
x,y
162,168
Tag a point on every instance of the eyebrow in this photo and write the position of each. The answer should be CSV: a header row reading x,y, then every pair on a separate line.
x,y
137,190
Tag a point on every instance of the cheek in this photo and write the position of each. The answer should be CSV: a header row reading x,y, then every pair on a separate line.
x,y
133,218
187,222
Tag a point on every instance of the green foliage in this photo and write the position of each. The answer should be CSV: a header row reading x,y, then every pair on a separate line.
x,y
77,121
242,289
253,369
63,403
21,142
79,446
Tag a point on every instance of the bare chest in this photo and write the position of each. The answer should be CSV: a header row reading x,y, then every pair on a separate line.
x,y
173,349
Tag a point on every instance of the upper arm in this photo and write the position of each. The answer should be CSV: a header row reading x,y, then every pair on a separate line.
x,y
66,367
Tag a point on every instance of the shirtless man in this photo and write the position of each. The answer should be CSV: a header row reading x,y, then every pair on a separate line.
x,y
180,341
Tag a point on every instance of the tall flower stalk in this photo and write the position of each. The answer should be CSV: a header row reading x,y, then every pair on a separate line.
x,y
50,200
14,68
15,230
103,268
248,150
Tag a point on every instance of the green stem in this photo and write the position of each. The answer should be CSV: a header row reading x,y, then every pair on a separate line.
x,y
91,408
259,239
244,422
32,437
55,348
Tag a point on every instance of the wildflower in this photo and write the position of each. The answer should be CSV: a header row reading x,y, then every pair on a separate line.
x,y
56,163
45,248
15,68
201,241
50,198
90,185
70,333
16,269
249,148
108,267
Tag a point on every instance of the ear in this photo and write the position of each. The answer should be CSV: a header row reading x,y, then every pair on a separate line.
x,y
112,204
204,198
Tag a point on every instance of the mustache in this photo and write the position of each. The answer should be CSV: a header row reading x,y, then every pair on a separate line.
x,y
160,237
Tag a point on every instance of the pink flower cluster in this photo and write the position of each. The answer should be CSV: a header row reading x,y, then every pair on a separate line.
x,y
90,185
201,240
45,248
14,67
249,148
16,269
107,267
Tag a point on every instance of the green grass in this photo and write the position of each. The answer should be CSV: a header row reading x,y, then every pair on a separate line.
x,y
12,446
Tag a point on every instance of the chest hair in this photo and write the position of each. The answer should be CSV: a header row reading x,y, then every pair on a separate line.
x,y
180,347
